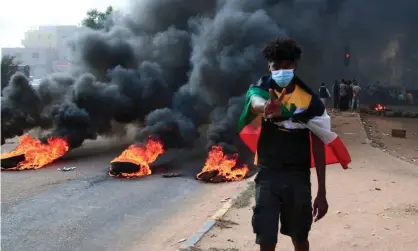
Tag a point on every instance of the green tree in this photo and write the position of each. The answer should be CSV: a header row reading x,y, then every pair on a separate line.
x,y
8,64
96,19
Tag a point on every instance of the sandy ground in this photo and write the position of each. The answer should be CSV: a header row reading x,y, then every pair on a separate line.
x,y
373,205
379,130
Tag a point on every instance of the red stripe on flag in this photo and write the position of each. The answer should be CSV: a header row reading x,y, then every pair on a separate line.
x,y
341,152
335,151
249,135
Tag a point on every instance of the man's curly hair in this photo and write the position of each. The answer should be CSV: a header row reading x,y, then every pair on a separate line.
x,y
282,49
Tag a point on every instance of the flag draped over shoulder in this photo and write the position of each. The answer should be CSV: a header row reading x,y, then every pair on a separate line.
x,y
303,104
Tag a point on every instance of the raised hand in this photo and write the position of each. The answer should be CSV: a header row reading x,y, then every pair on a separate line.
x,y
273,106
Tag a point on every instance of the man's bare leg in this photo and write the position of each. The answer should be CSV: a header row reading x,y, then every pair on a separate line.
x,y
301,246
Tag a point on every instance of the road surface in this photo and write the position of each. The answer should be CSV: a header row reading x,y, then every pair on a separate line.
x,y
85,209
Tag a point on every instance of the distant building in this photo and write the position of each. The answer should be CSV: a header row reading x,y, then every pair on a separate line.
x,y
39,59
45,49
52,37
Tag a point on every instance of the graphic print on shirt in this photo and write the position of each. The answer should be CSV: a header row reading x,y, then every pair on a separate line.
x,y
296,101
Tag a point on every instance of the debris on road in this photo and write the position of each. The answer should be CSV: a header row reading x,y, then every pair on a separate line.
x,y
181,240
399,133
66,169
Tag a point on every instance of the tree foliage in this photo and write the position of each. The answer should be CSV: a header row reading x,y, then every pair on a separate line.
x,y
96,19
8,64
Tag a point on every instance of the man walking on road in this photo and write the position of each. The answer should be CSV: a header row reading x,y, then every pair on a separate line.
x,y
324,94
283,158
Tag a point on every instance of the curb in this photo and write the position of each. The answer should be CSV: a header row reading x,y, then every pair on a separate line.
x,y
210,222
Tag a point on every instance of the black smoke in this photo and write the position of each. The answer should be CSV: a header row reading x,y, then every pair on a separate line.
x,y
224,129
171,66
223,65
21,108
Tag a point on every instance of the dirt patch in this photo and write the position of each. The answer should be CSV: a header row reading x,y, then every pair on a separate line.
x,y
379,129
402,211
223,223
244,199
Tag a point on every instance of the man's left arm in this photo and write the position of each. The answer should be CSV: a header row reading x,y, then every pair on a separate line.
x,y
320,206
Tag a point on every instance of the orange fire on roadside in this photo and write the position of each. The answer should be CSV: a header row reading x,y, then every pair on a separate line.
x,y
222,167
141,156
379,107
36,154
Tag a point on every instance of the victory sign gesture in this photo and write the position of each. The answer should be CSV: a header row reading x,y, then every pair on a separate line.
x,y
272,108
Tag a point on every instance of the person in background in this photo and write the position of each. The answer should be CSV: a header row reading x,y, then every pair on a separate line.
x,y
356,96
336,94
349,93
324,94
343,95
401,96
410,98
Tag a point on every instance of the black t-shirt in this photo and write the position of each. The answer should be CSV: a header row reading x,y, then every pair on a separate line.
x,y
283,149
323,92
280,148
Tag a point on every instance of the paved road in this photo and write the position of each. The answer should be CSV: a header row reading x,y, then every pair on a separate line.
x,y
85,209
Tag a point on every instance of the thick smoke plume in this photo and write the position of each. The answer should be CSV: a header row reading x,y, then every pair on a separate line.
x,y
223,130
170,66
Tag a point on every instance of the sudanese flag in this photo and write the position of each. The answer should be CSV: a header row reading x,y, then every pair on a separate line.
x,y
300,109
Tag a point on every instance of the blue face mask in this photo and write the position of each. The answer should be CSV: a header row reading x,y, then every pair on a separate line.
x,y
282,77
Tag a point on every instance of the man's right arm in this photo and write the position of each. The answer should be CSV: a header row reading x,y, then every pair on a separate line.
x,y
257,104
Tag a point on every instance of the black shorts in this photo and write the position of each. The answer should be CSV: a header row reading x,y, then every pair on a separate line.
x,y
284,196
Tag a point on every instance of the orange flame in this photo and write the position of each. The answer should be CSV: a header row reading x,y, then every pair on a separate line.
x,y
141,155
379,107
37,154
224,165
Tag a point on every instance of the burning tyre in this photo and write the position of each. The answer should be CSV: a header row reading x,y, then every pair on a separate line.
x,y
31,153
222,167
135,160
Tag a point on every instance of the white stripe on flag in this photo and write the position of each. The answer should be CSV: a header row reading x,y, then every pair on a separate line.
x,y
319,125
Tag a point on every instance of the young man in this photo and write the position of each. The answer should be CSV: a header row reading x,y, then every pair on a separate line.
x,y
283,187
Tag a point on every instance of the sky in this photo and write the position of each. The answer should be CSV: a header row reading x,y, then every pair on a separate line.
x,y
16,17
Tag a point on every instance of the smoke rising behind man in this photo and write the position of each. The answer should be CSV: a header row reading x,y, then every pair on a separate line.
x,y
189,57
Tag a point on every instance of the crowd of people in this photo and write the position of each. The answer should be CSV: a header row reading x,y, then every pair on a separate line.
x,y
345,94
395,95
